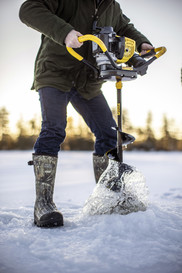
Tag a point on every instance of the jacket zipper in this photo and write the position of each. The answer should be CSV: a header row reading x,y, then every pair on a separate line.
x,y
97,7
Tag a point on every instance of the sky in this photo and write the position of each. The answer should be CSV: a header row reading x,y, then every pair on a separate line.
x,y
160,91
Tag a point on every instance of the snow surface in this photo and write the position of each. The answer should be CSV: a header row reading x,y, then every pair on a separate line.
x,y
141,242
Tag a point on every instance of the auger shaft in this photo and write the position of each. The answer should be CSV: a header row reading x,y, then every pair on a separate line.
x,y
119,118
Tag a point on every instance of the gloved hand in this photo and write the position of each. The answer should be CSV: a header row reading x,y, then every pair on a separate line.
x,y
145,47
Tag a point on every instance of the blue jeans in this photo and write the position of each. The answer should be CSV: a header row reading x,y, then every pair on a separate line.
x,y
95,112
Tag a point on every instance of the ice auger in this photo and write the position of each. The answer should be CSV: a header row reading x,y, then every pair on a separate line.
x,y
116,60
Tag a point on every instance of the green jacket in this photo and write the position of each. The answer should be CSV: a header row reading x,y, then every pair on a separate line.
x,y
54,66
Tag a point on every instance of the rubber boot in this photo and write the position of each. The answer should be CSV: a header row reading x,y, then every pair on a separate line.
x,y
100,164
45,211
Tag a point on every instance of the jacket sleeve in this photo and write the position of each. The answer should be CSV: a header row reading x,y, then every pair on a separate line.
x,y
127,29
41,16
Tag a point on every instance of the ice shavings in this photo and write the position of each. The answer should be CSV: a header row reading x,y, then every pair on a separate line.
x,y
118,191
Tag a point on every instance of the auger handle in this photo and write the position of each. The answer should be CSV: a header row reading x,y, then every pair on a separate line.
x,y
84,38
159,52
155,53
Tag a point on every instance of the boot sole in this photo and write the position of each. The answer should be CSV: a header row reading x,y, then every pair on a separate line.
x,y
54,219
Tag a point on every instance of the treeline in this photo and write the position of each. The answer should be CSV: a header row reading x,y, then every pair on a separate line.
x,y
79,137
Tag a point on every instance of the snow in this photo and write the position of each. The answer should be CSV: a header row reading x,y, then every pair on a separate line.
x,y
141,242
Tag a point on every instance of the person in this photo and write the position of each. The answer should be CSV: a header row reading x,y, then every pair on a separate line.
x,y
60,78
